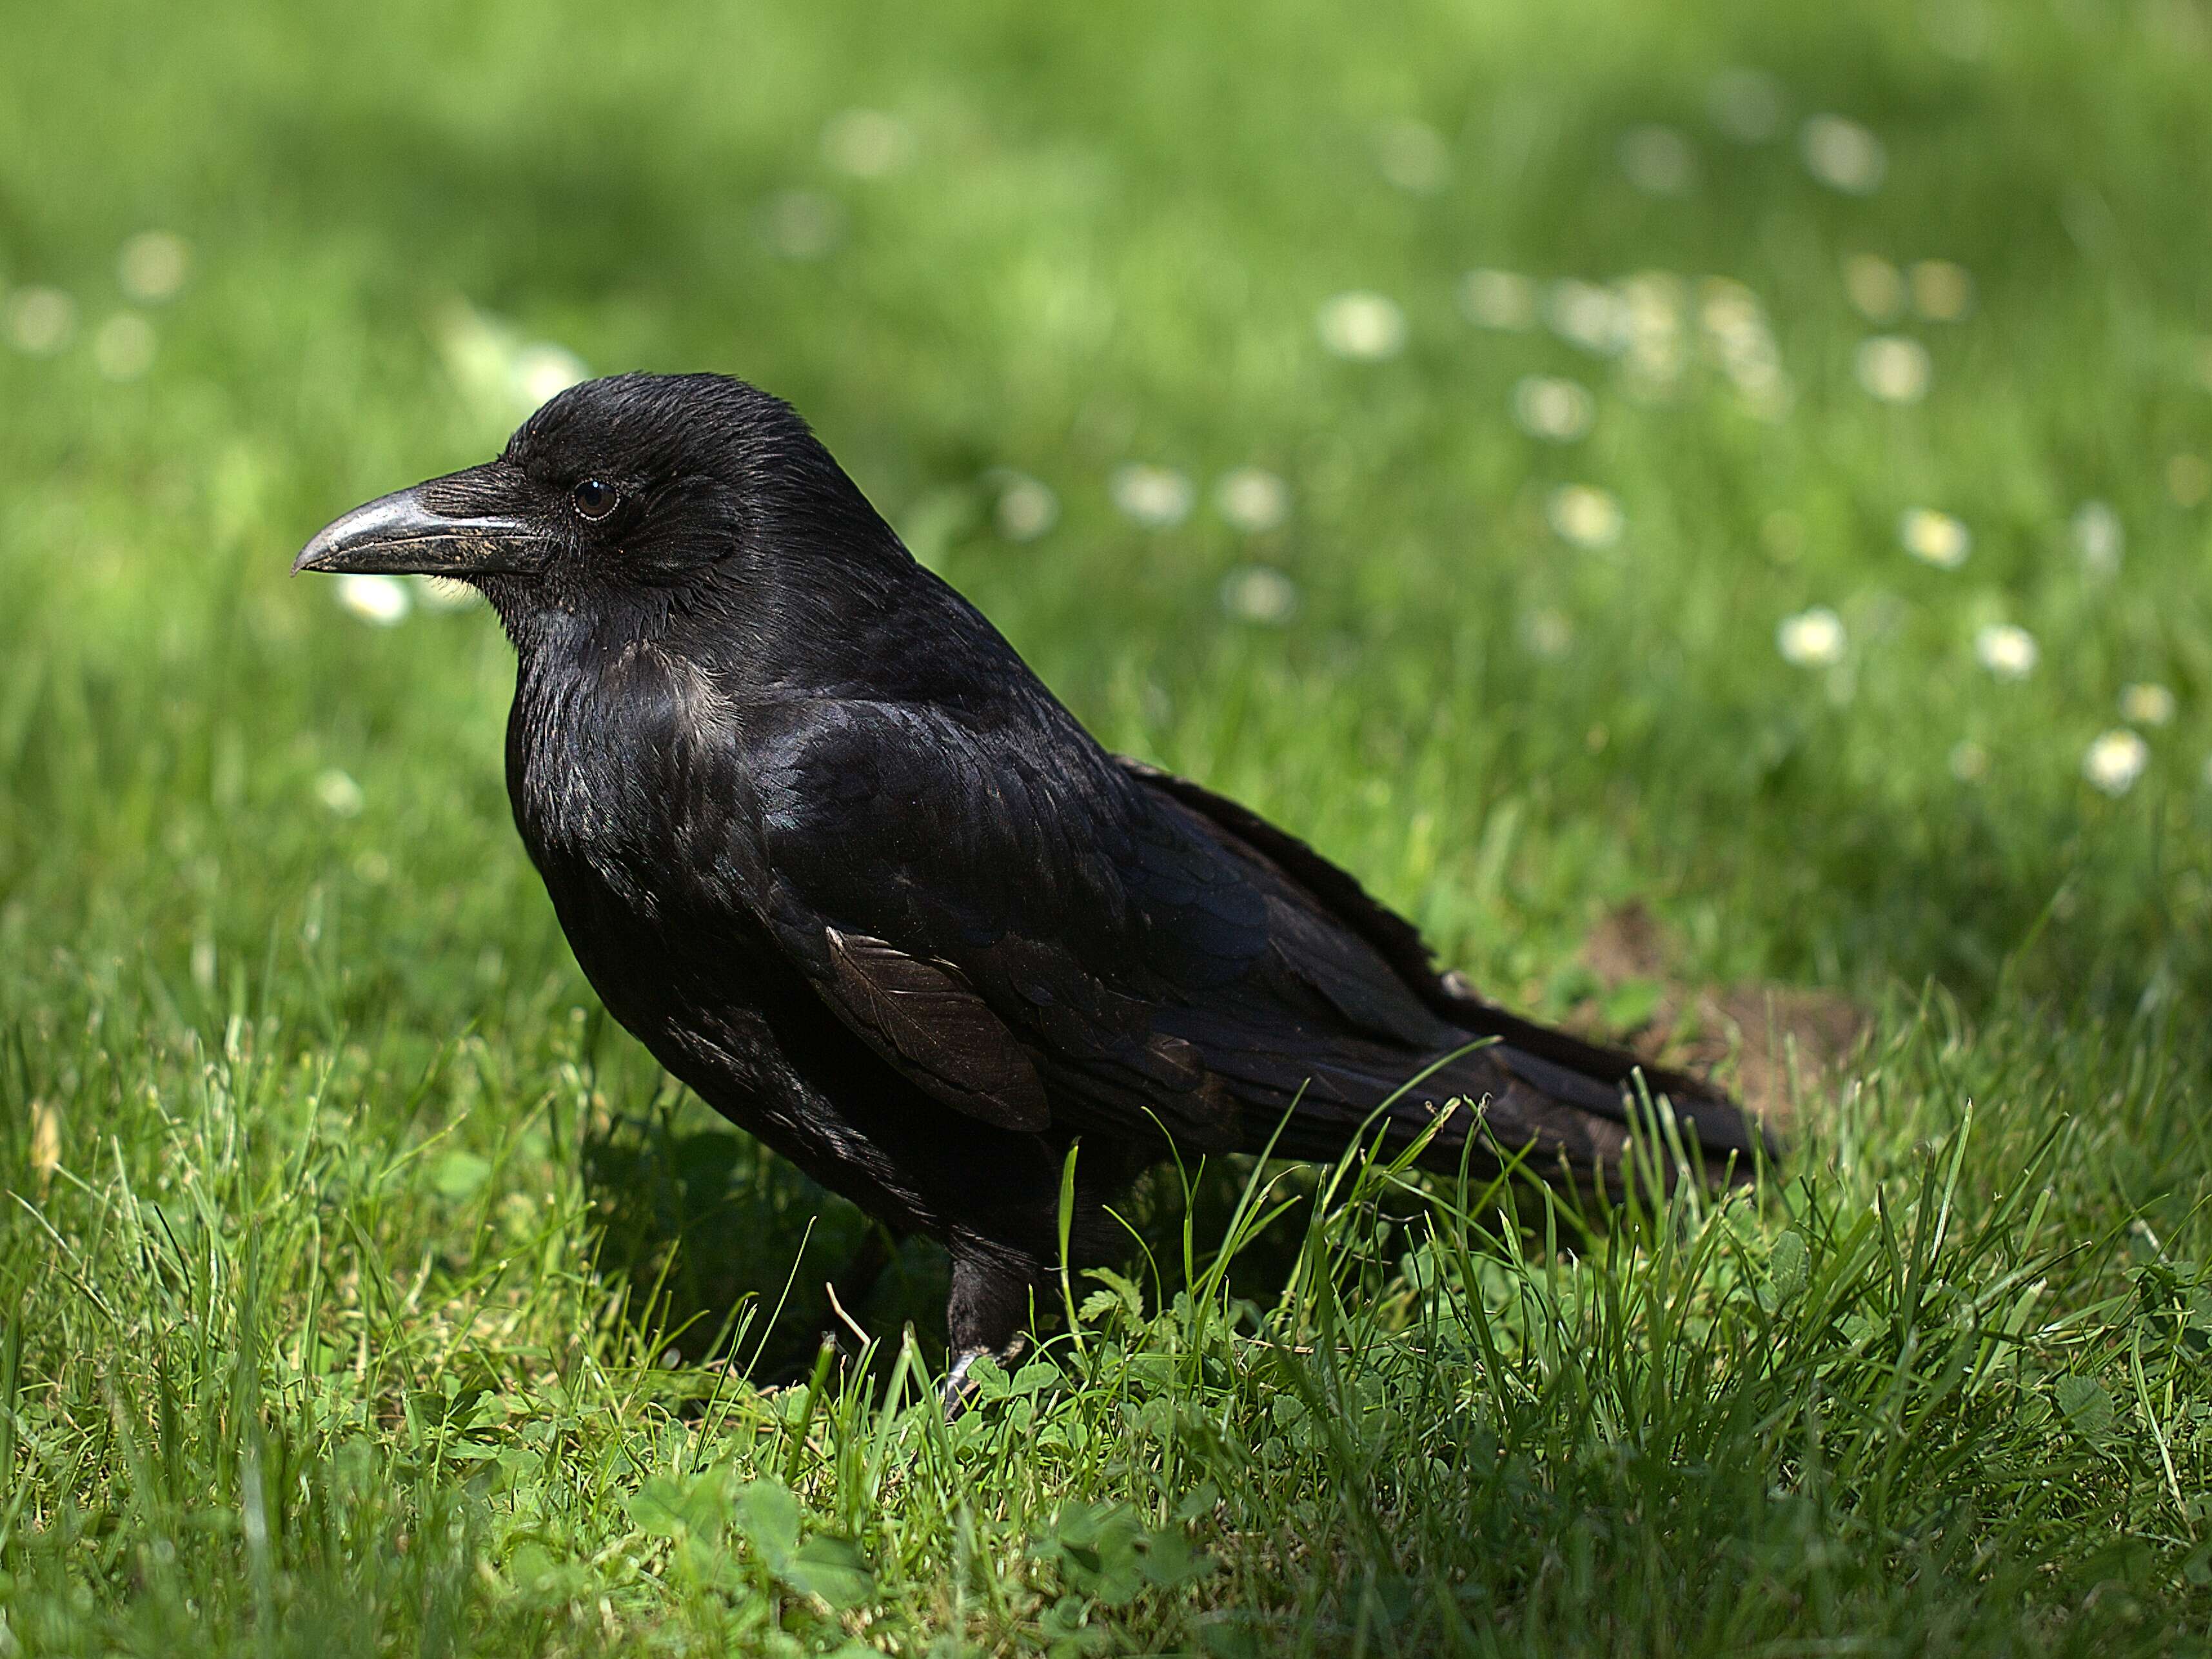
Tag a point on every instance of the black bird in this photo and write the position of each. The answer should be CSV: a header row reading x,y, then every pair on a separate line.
x,y
828,847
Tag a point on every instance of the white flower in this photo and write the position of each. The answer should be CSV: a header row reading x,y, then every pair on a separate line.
x,y
1658,161
1497,299
1656,302
1843,155
1893,368
1735,328
1026,509
505,377
122,346
2115,761
41,321
1811,639
2099,536
1585,516
2146,705
1969,762
1364,326
1252,500
1584,314
1942,292
1154,496
153,266
1545,406
383,601
1876,287
339,795
866,143
1934,538
542,371
1412,155
1260,593
1745,104
2008,652
802,224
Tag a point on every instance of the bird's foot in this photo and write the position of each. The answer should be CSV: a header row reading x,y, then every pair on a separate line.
x,y
960,1388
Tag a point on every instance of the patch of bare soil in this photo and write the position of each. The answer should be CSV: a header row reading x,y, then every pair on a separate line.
x,y
1779,1046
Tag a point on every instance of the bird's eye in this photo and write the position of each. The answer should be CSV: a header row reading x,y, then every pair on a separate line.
x,y
594,498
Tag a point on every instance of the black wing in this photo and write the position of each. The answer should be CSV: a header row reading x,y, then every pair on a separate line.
x,y
1053,938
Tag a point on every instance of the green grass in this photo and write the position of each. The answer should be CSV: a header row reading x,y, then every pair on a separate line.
x,y
365,1290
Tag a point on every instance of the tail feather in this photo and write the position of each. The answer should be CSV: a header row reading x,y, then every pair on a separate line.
x,y
1564,1101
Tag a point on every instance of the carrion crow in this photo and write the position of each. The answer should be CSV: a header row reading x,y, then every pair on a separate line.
x,y
822,842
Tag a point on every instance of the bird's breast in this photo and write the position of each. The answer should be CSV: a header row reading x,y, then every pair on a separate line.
x,y
623,782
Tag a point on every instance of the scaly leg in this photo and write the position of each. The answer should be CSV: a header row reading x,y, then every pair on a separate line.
x,y
984,1316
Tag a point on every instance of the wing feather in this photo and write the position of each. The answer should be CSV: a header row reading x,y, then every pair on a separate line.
x,y
925,1019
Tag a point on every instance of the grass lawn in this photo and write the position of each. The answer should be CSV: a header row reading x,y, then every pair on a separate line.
x,y
1763,609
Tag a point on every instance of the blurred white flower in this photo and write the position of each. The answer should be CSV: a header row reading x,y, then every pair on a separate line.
x,y
1546,406
1252,499
339,795
1587,315
1811,639
1737,333
153,266
1969,762
2007,651
1154,496
503,376
1942,292
2099,536
122,346
1361,325
1547,632
802,224
1412,155
41,321
1656,302
1586,516
542,371
1027,508
1259,593
2114,761
1843,155
1497,299
1875,285
2146,705
1658,161
867,143
1934,538
383,601
1893,368
1745,104
2187,479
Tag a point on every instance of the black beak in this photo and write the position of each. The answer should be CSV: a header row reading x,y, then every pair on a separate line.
x,y
400,534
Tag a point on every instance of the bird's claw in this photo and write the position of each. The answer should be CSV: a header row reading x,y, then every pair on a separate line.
x,y
960,1390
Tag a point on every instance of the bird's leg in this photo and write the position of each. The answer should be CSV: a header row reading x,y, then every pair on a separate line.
x,y
983,1317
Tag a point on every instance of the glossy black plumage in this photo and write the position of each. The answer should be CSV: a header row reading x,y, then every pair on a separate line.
x,y
822,841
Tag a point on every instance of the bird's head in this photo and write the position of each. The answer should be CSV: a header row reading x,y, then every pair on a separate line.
x,y
616,498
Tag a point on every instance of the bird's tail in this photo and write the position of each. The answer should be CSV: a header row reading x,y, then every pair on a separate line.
x,y
1527,1098
1550,1100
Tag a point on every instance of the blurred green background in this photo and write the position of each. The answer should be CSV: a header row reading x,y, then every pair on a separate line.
x,y
1741,468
